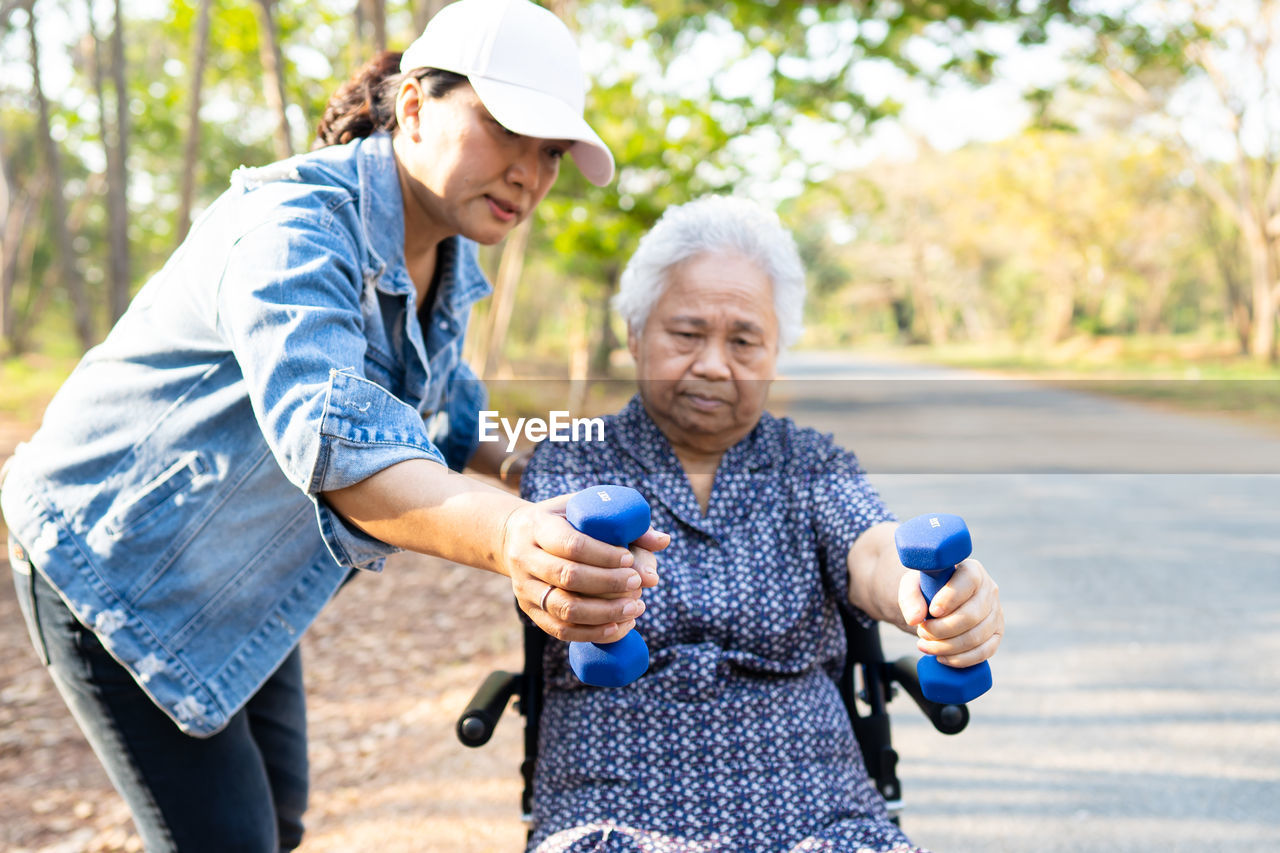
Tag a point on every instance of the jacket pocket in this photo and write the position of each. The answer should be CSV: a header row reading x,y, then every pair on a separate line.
x,y
141,510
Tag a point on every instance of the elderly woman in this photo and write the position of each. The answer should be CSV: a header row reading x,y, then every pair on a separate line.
x,y
736,739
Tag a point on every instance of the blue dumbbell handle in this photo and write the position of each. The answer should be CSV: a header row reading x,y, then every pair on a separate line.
x,y
931,583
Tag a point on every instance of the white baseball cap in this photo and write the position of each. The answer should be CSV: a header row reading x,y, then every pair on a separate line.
x,y
523,64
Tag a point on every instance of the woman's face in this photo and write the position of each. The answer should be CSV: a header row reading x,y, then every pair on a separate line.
x,y
463,173
708,351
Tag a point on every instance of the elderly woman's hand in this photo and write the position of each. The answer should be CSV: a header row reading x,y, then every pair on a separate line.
x,y
964,624
572,586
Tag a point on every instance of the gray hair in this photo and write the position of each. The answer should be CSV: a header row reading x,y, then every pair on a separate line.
x,y
712,224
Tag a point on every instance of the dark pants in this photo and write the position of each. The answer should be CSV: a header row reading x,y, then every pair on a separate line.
x,y
243,789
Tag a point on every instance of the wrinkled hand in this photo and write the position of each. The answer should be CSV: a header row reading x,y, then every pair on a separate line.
x,y
572,586
964,624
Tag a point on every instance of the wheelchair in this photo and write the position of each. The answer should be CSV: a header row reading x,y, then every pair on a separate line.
x,y
867,685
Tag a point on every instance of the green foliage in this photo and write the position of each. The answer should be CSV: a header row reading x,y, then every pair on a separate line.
x,y
159,48
700,97
592,229
30,381
676,136
987,239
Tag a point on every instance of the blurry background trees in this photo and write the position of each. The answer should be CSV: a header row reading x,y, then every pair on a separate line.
x,y
1137,194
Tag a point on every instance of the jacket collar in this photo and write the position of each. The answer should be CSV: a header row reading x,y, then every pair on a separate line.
x,y
381,205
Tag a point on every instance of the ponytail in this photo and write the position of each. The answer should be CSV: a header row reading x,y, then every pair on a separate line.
x,y
366,103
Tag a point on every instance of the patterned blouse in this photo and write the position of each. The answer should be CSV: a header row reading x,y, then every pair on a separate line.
x,y
736,738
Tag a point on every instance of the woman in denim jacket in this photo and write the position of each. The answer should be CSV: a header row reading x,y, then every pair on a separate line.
x,y
285,402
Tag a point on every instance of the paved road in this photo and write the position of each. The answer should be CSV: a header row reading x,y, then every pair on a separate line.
x,y
1137,697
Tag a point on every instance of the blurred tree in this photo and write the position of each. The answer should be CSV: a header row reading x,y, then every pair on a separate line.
x,y
115,142
195,94
1228,262
693,97
17,207
119,220
1206,77
1035,238
273,74
71,275
714,97
371,25
423,11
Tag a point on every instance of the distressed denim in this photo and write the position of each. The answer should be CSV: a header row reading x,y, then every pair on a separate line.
x,y
171,495
243,789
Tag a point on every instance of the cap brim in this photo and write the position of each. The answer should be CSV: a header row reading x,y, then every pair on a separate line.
x,y
529,112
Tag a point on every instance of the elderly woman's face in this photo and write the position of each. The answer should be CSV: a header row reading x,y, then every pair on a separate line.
x,y
708,351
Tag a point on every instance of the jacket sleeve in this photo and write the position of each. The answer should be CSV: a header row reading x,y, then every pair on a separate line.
x,y
289,307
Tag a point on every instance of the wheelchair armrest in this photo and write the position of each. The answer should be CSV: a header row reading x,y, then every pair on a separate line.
x,y
948,719
477,723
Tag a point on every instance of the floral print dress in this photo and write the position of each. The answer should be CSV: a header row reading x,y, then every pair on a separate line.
x,y
736,739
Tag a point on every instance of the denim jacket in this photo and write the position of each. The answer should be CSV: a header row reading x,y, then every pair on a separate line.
x,y
171,495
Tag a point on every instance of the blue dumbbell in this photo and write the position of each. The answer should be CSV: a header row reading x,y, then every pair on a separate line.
x,y
933,545
617,515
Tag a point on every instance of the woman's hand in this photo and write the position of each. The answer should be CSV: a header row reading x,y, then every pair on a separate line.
x,y
572,586
964,624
